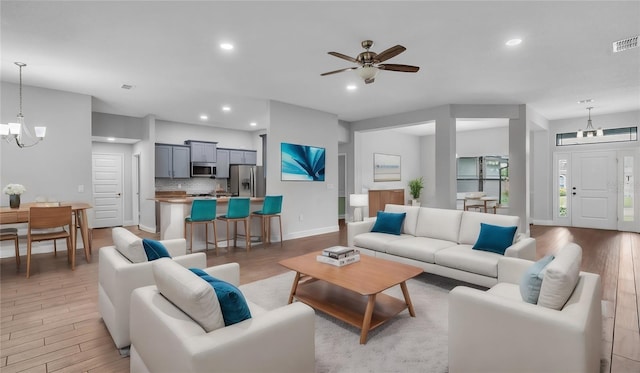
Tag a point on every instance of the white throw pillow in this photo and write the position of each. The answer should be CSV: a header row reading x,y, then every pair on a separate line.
x,y
190,293
129,245
561,277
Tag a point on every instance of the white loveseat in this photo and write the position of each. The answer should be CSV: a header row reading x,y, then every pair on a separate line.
x,y
165,339
118,276
440,241
496,331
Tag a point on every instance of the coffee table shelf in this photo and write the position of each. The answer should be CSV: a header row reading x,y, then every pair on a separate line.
x,y
346,305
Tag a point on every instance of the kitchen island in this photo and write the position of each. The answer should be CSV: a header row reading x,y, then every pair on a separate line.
x,y
173,210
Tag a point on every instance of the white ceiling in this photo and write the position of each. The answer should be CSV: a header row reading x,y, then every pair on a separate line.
x,y
169,51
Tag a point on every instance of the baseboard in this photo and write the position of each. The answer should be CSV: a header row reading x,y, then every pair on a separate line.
x,y
147,229
312,232
542,222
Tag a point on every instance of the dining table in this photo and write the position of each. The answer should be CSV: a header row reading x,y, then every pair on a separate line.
x,y
79,211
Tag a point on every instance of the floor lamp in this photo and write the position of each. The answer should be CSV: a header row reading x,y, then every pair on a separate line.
x,y
358,201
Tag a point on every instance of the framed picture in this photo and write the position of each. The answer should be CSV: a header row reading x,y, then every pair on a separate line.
x,y
302,162
386,167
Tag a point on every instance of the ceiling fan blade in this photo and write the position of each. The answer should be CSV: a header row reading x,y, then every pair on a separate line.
x,y
401,68
338,71
344,57
391,52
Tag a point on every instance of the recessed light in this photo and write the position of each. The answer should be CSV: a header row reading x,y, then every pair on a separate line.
x,y
513,42
111,139
204,117
253,124
226,108
352,87
226,46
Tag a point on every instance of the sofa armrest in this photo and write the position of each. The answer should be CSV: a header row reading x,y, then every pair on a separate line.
x,y
167,340
511,269
524,248
357,227
229,272
176,246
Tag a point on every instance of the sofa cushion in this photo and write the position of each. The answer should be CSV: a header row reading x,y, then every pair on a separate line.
x,y
377,241
409,225
154,249
128,244
440,224
494,238
189,293
470,224
561,277
232,303
389,222
464,258
418,248
531,281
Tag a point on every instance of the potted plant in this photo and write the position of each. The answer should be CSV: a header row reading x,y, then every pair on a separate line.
x,y
415,186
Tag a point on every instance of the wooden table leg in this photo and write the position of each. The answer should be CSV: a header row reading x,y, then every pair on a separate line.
x,y
74,240
366,322
407,299
84,231
294,287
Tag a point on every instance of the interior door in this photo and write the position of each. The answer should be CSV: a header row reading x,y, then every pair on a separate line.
x,y
593,190
107,190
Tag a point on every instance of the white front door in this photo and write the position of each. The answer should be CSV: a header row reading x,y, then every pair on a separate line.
x,y
593,193
107,190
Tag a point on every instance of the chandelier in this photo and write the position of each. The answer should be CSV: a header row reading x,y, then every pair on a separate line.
x,y
590,131
18,131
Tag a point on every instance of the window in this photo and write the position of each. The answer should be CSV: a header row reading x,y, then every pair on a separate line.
x,y
488,174
628,193
562,188
625,134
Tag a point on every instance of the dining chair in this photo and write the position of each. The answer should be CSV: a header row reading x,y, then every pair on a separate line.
x,y
43,222
203,211
238,210
10,234
271,208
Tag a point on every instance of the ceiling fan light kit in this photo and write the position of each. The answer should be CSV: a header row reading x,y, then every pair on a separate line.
x,y
371,62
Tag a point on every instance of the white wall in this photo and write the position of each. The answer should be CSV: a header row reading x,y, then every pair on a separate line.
x,y
177,133
490,141
61,163
308,208
117,126
387,142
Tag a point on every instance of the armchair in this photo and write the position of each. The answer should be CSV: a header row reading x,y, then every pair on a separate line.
x,y
165,339
118,277
496,331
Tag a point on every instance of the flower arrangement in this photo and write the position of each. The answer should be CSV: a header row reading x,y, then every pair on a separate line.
x,y
14,189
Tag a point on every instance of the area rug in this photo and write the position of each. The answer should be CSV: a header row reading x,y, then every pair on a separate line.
x,y
404,344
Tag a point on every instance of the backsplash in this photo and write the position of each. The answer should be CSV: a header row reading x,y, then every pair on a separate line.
x,y
195,185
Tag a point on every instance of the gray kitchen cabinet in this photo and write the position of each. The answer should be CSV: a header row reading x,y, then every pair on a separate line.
x,y
248,157
173,161
202,151
222,165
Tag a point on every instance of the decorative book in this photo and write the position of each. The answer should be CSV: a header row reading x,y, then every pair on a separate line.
x,y
339,262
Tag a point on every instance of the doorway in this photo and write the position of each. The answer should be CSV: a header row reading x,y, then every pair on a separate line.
x,y
342,185
590,192
107,190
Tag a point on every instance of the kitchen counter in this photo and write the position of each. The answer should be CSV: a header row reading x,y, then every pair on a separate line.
x,y
187,199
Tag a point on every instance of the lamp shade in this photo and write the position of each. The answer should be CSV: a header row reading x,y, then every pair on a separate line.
x,y
358,200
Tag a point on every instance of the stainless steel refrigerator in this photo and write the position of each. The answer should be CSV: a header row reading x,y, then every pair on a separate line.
x,y
247,181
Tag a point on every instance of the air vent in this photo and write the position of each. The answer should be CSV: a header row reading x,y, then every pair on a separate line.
x,y
126,86
624,44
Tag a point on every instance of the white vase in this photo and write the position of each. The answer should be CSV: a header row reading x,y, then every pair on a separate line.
x,y
415,202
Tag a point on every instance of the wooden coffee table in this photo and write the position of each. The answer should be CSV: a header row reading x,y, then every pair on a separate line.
x,y
352,293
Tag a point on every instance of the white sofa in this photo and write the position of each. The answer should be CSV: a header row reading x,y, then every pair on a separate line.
x,y
440,241
496,331
165,339
118,276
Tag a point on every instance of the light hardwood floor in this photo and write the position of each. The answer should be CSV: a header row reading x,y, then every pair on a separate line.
x,y
51,323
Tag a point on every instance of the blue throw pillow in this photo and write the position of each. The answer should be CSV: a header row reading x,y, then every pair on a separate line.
x,y
232,303
495,238
389,222
154,249
531,281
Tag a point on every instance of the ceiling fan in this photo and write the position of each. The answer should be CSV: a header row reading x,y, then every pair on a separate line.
x,y
370,62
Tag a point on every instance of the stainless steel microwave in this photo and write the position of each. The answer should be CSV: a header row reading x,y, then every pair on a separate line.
x,y
199,169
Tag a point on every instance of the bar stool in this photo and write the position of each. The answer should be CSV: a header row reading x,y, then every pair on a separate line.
x,y
203,211
271,208
238,210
